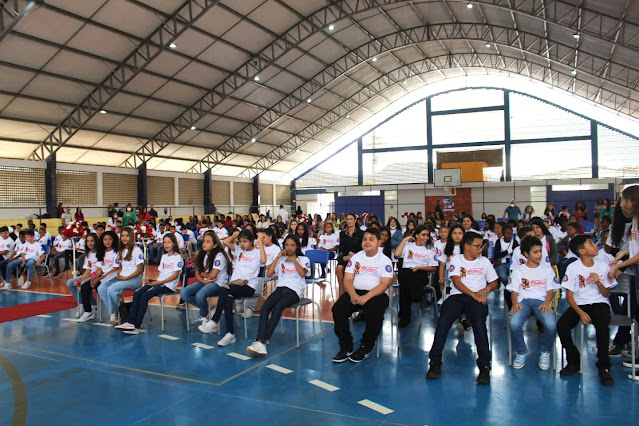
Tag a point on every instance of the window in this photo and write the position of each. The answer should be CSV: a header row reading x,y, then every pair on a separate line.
x,y
338,170
21,186
471,98
469,127
551,160
395,167
618,154
531,118
77,188
408,128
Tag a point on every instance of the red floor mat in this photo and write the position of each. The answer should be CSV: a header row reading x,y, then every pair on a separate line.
x,y
37,308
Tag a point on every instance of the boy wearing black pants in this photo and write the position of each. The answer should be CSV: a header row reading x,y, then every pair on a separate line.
x,y
367,277
469,273
587,287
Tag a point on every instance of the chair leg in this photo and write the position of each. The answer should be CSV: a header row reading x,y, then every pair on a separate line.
x,y
297,325
510,340
162,311
581,349
245,320
187,316
319,320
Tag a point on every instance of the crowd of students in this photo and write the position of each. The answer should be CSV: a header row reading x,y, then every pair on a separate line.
x,y
232,259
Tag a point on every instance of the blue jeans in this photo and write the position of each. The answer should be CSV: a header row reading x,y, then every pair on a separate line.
x,y
74,290
153,252
198,293
531,307
282,298
451,309
140,303
109,291
503,272
17,262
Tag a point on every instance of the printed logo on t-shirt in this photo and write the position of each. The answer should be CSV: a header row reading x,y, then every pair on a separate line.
x,y
357,265
410,254
438,252
556,280
565,278
283,268
522,261
582,281
525,283
547,259
462,272
217,263
349,263
141,257
179,265
389,268
452,268
510,280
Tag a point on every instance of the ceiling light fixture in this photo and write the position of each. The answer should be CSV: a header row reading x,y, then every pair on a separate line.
x,y
375,59
309,100
102,111
577,36
173,46
193,128
254,140
331,27
404,82
348,116
487,44
256,78
573,72
297,150
469,5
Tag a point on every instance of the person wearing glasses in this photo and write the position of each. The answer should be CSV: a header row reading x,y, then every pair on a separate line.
x,y
469,273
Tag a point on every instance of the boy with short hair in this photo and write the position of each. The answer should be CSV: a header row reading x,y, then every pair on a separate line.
x,y
469,273
504,248
367,277
64,249
6,250
587,286
31,256
532,288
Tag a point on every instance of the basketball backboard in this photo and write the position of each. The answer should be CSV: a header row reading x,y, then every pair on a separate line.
x,y
447,178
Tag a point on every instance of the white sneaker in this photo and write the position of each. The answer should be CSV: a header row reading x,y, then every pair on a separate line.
x,y
125,326
26,285
227,340
132,331
257,349
248,313
209,327
6,286
520,361
544,361
86,317
20,280
201,320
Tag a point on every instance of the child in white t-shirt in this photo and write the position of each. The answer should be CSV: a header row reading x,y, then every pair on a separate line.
x,y
212,272
244,281
367,277
30,255
587,284
291,268
170,269
129,273
64,249
532,287
272,250
469,272
90,267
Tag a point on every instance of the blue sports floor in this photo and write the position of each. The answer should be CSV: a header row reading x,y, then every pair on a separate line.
x,y
55,371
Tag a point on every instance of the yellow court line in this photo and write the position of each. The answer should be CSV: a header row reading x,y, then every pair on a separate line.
x,y
19,393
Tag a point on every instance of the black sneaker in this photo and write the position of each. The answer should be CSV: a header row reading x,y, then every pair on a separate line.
x,y
483,378
614,351
605,378
466,323
569,370
341,356
434,371
359,355
181,304
56,275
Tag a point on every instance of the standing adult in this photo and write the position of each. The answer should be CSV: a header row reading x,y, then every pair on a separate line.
x,y
512,211
438,209
79,216
606,209
282,213
152,212
129,215
67,217
60,210
350,242
166,214
144,216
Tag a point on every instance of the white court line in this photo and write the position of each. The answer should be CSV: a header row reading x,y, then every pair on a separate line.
x,y
324,385
102,324
239,356
202,345
167,337
279,369
70,319
375,406
43,316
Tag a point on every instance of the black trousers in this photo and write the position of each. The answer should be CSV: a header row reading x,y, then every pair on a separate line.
x,y
373,315
600,315
86,293
411,289
451,309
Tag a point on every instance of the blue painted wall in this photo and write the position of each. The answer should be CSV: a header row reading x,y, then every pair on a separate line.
x,y
570,198
362,204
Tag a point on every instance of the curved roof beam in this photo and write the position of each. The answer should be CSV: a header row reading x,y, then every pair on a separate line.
x,y
514,64
318,21
501,36
176,24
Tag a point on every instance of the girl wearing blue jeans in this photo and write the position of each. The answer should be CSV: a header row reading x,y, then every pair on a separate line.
x,y
129,274
533,287
212,272
90,266
170,269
